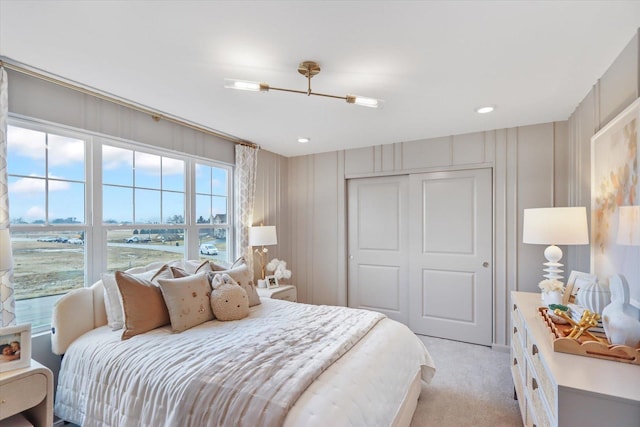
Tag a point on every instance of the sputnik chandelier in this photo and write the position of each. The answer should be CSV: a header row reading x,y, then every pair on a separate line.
x,y
307,69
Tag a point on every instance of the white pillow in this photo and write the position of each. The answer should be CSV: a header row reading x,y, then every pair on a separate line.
x,y
113,300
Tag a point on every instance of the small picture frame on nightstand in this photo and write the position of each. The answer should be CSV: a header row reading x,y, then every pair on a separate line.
x,y
272,282
15,347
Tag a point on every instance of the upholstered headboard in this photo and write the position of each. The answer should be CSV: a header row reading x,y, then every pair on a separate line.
x,y
76,313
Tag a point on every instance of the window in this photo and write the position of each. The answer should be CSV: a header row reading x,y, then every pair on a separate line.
x,y
131,204
212,210
46,177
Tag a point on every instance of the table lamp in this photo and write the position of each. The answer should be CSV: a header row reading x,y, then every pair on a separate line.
x,y
555,226
263,235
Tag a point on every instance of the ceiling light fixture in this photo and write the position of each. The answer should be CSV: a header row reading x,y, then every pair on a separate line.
x,y
484,110
307,69
303,140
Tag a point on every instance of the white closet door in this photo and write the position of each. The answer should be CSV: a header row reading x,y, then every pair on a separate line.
x,y
451,255
378,271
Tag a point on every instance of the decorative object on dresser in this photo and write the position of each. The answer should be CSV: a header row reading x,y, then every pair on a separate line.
x,y
279,269
263,235
15,347
272,281
594,296
552,291
27,393
555,226
564,390
577,279
621,319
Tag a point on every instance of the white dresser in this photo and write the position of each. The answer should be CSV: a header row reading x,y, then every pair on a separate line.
x,y
566,390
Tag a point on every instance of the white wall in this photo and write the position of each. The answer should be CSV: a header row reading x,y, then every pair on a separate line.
x,y
524,161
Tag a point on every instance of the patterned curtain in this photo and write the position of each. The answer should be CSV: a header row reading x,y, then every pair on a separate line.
x,y
7,299
246,168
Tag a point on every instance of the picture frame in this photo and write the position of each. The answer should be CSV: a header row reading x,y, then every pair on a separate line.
x,y
272,282
577,280
614,188
15,341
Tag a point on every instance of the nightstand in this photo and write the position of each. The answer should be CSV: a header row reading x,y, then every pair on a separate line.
x,y
28,391
283,292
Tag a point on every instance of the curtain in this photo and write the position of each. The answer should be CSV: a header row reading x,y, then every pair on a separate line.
x,y
7,298
245,174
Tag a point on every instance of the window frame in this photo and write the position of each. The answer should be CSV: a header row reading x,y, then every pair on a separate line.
x,y
95,231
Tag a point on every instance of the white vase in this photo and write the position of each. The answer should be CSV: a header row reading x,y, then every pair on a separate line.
x,y
552,297
594,296
620,319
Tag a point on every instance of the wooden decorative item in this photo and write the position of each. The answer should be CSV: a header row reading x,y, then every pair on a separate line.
x,y
584,345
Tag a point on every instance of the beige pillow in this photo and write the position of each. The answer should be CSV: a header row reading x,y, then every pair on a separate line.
x,y
193,267
242,276
112,303
143,305
188,300
178,272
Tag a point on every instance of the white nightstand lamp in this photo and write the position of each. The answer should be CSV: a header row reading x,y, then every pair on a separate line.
x,y
555,226
263,235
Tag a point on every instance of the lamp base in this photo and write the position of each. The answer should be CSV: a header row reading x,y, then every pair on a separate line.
x,y
553,254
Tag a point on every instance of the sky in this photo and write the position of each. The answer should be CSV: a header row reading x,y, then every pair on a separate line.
x,y
157,196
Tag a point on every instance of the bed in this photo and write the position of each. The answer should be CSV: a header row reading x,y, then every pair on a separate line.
x,y
285,364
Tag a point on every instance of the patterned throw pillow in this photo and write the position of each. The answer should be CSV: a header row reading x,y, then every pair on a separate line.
x,y
187,300
241,275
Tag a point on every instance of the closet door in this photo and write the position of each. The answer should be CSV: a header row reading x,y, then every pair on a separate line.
x,y
378,271
451,255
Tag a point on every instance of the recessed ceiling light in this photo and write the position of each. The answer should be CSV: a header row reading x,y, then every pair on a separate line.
x,y
303,140
484,110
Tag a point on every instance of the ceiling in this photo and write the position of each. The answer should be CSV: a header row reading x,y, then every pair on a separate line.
x,y
432,62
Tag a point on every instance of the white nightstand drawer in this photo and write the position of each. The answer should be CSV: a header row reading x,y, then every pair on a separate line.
x,y
283,292
22,393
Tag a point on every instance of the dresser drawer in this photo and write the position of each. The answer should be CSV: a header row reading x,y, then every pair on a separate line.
x,y
543,377
538,407
21,394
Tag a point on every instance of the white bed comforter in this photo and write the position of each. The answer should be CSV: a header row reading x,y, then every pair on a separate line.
x,y
248,372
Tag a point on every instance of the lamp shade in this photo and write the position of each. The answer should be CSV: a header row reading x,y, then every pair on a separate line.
x,y
5,250
263,235
555,226
628,226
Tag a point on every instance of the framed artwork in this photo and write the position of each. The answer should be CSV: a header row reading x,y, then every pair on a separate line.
x,y
15,347
615,196
272,282
577,280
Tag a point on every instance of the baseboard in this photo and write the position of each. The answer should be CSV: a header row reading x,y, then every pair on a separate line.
x,y
500,348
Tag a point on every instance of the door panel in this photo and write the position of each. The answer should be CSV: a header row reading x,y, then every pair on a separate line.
x,y
451,255
378,271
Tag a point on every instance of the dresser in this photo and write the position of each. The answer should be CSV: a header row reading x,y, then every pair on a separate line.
x,y
28,391
283,292
566,390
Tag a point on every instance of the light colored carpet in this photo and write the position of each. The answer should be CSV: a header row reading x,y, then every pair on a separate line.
x,y
472,387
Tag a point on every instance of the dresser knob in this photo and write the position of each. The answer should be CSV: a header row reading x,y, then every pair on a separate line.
x,y
534,350
534,384
515,361
515,330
